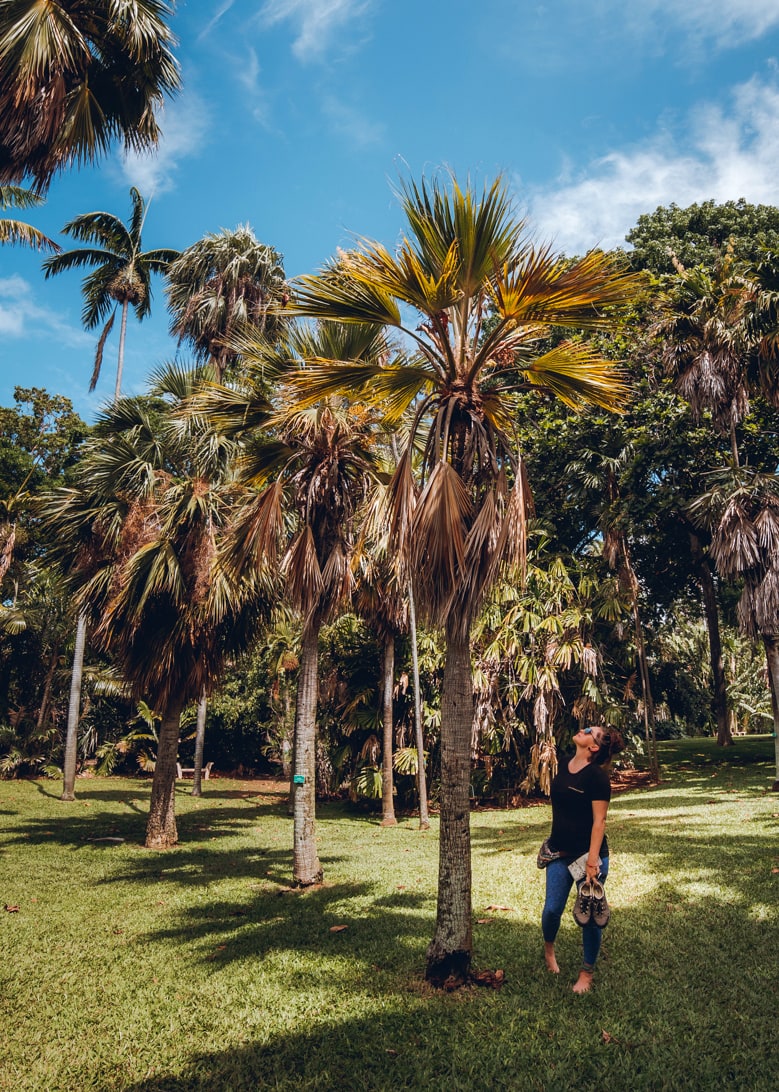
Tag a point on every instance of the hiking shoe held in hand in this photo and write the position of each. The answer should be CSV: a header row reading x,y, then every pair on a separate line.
x,y
599,909
582,908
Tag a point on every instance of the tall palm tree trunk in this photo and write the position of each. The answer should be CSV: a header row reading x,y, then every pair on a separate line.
x,y
120,362
74,708
161,832
387,786
772,658
709,595
200,739
424,819
306,867
449,952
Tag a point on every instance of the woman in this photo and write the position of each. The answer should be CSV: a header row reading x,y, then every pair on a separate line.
x,y
580,794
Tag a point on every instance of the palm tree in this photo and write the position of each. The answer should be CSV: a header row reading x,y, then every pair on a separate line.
x,y
122,273
76,76
741,510
122,276
705,345
313,465
141,532
222,284
465,257
379,600
15,231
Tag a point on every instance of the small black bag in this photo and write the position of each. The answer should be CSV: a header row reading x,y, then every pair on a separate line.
x,y
546,854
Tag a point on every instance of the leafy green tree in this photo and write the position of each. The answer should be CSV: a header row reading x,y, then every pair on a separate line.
x,y
16,231
142,530
221,285
75,75
700,234
121,277
464,255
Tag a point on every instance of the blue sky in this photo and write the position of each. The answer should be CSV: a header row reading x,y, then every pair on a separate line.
x,y
296,116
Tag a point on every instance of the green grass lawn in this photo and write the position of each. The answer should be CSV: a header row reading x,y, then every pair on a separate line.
x,y
196,969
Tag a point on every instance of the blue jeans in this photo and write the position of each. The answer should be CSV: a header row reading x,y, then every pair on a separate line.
x,y
558,886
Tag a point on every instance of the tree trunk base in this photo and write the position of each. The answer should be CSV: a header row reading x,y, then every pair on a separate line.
x,y
160,842
309,883
424,825
389,822
775,786
68,796
447,970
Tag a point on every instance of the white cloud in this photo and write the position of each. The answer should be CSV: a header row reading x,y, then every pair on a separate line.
x,y
184,123
351,124
22,316
222,10
720,154
316,21
728,23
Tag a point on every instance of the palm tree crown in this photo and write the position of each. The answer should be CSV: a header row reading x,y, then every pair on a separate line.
x,y
122,270
222,284
76,75
465,260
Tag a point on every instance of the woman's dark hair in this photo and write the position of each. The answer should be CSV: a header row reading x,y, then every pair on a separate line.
x,y
611,744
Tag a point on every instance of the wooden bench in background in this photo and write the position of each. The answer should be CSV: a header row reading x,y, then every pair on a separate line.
x,y
189,771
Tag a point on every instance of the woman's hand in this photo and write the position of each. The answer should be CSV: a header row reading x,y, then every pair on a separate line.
x,y
591,871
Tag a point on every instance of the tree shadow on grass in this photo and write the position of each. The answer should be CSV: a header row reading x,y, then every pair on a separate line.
x,y
658,998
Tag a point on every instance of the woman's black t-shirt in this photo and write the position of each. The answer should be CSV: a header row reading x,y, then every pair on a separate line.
x,y
572,795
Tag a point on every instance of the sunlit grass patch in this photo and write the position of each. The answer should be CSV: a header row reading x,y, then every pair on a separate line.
x,y
198,968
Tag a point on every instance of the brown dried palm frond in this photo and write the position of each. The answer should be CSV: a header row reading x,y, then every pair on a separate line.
x,y
437,544
301,571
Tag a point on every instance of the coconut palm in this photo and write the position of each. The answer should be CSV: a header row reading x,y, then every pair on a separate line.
x,y
741,510
77,75
121,277
220,285
141,531
312,466
15,231
465,258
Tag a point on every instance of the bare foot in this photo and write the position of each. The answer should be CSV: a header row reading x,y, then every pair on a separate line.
x,y
550,959
583,983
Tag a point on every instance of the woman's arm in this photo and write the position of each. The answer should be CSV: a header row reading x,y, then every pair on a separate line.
x,y
599,809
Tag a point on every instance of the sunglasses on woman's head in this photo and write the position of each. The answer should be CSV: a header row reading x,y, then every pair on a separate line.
x,y
597,739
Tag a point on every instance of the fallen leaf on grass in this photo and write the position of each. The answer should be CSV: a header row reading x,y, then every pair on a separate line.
x,y
12,909
338,928
484,921
393,1053
495,979
401,887
494,906
607,1037
774,871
